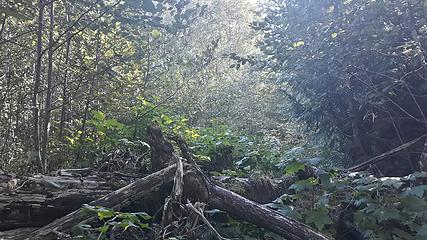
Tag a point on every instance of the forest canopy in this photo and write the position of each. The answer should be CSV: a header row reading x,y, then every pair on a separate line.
x,y
312,112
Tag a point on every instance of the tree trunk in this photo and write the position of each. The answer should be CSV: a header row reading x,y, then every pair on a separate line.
x,y
48,103
246,210
162,151
65,80
36,155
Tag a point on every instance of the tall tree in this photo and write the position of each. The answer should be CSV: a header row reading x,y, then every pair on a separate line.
x,y
49,88
36,155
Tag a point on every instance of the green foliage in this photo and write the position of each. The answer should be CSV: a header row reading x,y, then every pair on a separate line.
x,y
112,219
318,217
383,208
294,167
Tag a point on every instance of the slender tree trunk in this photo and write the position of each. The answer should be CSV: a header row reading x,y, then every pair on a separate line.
x,y
36,155
423,157
48,102
147,70
2,26
358,150
64,86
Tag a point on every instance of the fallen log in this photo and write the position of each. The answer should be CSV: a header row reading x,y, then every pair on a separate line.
x,y
197,187
38,200
244,209
116,200
258,189
23,209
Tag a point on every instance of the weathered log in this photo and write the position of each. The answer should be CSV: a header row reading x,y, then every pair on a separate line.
x,y
116,200
258,189
18,233
38,200
22,209
249,211
42,199
199,188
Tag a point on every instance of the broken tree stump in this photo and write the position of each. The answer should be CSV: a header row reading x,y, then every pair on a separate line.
x,y
162,152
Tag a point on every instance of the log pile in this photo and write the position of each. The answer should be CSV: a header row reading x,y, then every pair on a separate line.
x,y
53,202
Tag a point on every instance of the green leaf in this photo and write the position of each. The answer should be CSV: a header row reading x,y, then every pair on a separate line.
x,y
303,184
104,229
98,115
414,176
104,213
144,226
294,167
319,217
156,33
143,215
417,191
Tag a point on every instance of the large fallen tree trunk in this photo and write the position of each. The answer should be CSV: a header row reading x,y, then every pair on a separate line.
x,y
202,189
246,210
39,200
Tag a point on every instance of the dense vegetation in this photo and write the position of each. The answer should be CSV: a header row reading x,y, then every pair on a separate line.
x,y
330,92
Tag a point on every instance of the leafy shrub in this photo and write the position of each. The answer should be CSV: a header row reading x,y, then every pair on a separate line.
x,y
382,208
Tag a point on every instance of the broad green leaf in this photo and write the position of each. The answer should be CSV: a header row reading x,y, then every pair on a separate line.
x,y
104,229
303,184
156,33
104,213
98,115
294,167
414,176
319,217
